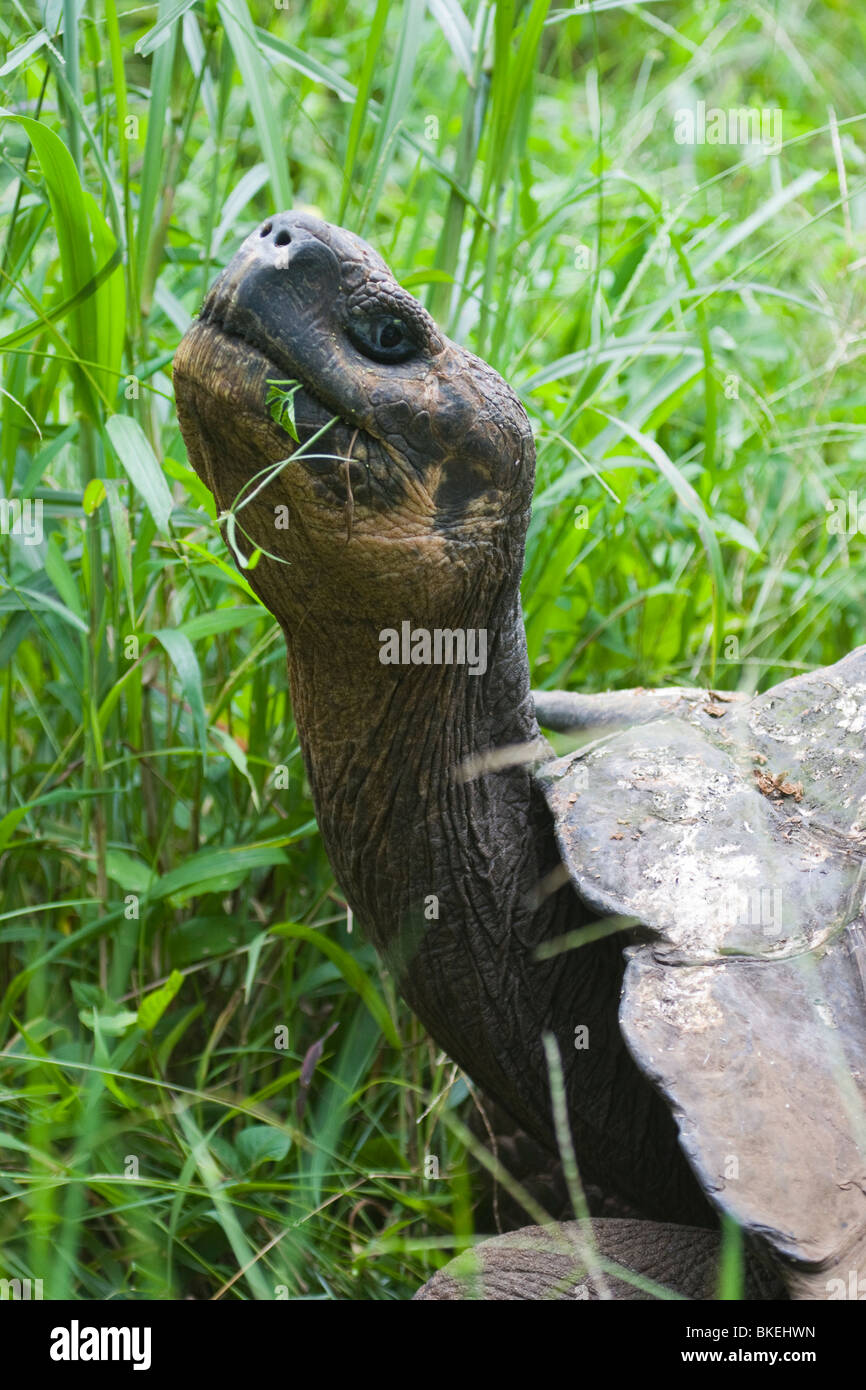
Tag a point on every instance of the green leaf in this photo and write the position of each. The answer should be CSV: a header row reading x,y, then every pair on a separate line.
x,y
140,462
156,147
31,600
736,531
85,242
130,873
221,620
182,656
61,576
691,503
397,79
13,818
282,405
260,1144
351,972
242,37
119,517
215,871
94,496
113,1025
154,1005
233,750
157,36
226,570
201,495
254,951
23,51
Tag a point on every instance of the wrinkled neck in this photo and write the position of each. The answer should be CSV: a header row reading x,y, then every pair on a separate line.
x,y
443,873
440,868
395,755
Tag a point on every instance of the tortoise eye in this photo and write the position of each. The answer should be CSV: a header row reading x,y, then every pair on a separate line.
x,y
381,337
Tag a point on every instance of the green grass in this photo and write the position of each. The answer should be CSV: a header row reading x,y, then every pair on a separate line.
x,y
685,325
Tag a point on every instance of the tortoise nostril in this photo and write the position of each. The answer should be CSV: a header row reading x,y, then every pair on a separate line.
x,y
282,238
266,229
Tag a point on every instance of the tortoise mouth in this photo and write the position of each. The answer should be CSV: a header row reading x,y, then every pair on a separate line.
x,y
215,349
216,316
221,372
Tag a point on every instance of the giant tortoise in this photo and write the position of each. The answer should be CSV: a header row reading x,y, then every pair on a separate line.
x,y
670,917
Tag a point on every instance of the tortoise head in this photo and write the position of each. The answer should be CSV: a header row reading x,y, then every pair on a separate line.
x,y
406,493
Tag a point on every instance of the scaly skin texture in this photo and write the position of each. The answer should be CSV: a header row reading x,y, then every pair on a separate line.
x,y
413,506
543,1263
